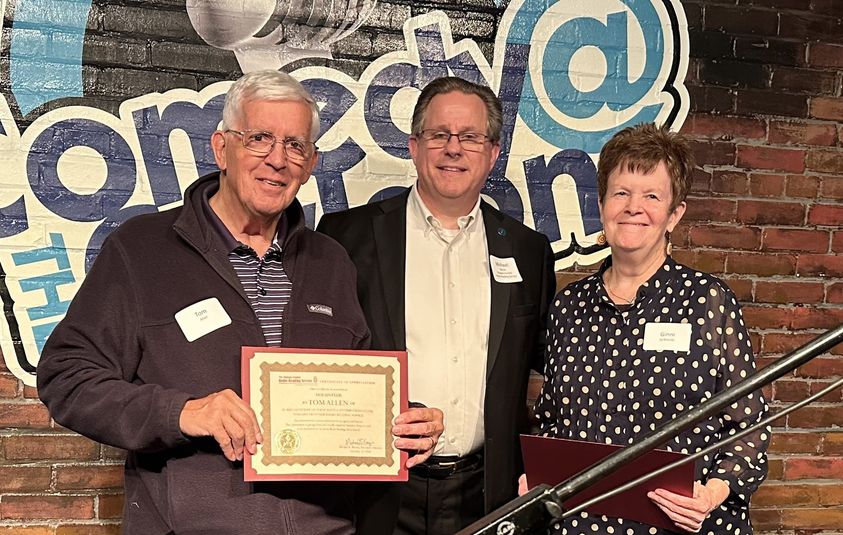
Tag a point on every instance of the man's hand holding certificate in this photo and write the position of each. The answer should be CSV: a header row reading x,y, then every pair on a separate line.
x,y
328,414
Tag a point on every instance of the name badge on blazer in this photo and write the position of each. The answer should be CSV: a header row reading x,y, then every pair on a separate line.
x,y
504,270
201,318
667,337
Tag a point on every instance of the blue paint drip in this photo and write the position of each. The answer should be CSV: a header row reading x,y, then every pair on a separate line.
x,y
39,73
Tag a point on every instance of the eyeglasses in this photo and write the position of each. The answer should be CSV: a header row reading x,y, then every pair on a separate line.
x,y
263,143
470,141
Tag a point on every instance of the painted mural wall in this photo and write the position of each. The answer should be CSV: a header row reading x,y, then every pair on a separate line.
x,y
83,149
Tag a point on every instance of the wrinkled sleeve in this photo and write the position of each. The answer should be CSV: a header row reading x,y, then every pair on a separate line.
x,y
86,374
743,463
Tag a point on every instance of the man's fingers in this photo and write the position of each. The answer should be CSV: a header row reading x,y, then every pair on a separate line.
x,y
227,418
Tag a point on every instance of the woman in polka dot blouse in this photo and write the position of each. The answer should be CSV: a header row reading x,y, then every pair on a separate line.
x,y
645,339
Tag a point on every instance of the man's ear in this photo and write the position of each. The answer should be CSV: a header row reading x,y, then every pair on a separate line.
x,y
218,146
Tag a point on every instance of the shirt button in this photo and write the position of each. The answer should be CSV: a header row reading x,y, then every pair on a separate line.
x,y
453,321
451,284
455,401
452,440
455,359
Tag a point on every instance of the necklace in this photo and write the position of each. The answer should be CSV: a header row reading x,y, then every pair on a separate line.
x,y
624,299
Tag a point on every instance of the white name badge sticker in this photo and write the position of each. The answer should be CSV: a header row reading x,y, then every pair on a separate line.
x,y
504,269
203,317
667,337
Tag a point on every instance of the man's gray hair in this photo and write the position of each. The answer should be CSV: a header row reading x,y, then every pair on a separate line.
x,y
266,85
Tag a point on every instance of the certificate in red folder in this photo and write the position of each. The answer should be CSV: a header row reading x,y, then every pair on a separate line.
x,y
554,460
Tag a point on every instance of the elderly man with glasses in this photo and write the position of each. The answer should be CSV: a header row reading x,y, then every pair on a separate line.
x,y
465,290
148,357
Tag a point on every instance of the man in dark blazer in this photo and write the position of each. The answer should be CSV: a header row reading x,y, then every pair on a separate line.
x,y
465,290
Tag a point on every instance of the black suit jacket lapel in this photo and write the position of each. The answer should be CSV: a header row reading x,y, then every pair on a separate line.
x,y
390,231
500,246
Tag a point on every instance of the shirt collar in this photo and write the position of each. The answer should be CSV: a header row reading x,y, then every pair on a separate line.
x,y
229,241
423,219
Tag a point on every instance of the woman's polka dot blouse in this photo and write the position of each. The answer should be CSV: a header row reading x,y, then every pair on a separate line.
x,y
601,384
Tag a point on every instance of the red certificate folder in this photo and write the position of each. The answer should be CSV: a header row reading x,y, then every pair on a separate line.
x,y
554,460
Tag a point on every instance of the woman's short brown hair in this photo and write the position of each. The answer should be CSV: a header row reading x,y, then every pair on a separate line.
x,y
640,149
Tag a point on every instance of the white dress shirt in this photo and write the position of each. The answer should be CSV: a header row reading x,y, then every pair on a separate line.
x,y
447,294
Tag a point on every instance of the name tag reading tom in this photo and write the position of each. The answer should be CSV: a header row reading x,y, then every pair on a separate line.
x,y
201,318
667,337
504,270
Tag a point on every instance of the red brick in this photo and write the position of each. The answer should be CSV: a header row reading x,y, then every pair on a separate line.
x,y
729,182
24,415
798,80
742,288
110,453
784,494
825,161
821,368
837,242
79,477
784,442
816,416
49,447
766,317
813,241
832,188
825,55
725,128
802,186
801,133
834,293
46,507
9,385
788,292
766,102
816,317
700,181
713,152
711,99
702,260
829,215
819,265
834,396
763,157
827,108
763,264
766,185
30,392
24,479
765,519
742,21
716,210
111,506
770,213
775,468
809,518
88,529
831,494
726,237
812,468
833,443
789,390
785,342
29,529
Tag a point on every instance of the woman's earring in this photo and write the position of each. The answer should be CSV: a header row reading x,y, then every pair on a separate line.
x,y
669,248
601,238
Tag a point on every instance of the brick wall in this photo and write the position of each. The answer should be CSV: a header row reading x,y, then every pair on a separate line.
x,y
765,214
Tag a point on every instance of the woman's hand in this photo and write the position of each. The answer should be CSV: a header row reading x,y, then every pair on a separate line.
x,y
690,513
522,485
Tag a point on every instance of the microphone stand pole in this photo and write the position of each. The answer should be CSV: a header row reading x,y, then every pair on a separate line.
x,y
543,504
